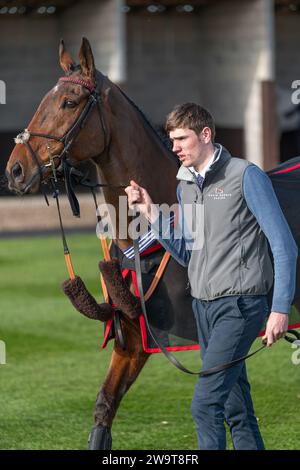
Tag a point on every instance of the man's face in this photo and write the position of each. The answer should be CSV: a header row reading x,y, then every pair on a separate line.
x,y
190,148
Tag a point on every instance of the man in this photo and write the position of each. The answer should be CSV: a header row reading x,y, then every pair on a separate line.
x,y
229,268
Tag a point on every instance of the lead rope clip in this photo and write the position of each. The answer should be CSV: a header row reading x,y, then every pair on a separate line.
x,y
51,164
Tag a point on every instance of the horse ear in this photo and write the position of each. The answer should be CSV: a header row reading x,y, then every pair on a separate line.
x,y
65,59
86,59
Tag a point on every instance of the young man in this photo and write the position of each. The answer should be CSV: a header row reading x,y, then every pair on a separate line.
x,y
229,268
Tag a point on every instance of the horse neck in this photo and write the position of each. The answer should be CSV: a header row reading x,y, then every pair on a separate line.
x,y
135,153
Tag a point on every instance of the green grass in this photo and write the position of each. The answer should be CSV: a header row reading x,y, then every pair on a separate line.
x,y
55,366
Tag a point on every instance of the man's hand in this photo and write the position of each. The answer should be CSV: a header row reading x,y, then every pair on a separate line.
x,y
277,326
138,197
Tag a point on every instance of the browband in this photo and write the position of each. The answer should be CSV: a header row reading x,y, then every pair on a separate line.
x,y
87,84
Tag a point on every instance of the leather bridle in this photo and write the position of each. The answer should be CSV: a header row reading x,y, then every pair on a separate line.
x,y
68,138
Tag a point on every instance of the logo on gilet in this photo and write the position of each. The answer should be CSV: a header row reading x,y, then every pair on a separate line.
x,y
218,193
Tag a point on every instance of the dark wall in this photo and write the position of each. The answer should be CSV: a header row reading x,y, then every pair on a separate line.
x,y
6,146
232,139
289,145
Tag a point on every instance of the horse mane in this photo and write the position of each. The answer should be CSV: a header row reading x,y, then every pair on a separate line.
x,y
159,133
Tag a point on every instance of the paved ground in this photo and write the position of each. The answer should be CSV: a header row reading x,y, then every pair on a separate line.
x,y
28,214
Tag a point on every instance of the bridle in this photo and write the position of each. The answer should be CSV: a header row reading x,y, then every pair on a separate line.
x,y
68,138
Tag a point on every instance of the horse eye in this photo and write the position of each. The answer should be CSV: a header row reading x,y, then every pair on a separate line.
x,y
69,104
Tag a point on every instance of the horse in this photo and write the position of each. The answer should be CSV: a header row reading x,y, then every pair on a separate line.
x,y
116,137
87,118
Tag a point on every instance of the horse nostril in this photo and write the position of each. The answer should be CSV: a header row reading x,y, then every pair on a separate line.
x,y
17,171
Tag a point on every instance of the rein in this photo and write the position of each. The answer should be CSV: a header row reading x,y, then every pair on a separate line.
x,y
171,357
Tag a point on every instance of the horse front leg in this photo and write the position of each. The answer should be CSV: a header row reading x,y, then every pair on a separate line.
x,y
124,368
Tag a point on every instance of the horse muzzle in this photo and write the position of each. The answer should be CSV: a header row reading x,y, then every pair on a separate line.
x,y
17,173
18,183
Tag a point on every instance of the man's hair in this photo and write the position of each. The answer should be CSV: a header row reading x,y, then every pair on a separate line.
x,y
190,116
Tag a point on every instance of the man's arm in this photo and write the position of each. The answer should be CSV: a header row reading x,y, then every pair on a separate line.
x,y
172,238
262,202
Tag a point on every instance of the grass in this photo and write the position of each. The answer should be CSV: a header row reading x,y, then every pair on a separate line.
x,y
55,366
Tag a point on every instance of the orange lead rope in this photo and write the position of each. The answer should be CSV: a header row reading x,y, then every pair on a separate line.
x,y
69,265
107,257
105,249
67,254
65,245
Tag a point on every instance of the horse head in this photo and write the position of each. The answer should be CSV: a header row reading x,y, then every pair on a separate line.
x,y
65,125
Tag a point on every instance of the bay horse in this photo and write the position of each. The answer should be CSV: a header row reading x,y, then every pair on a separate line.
x,y
122,144
86,117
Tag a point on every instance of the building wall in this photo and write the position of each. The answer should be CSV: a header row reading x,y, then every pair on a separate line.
x,y
29,56
287,71
103,24
29,53
287,48
28,65
287,63
216,58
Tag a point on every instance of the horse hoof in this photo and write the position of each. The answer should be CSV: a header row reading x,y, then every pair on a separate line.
x,y
100,438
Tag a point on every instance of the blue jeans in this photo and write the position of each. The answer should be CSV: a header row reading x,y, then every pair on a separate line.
x,y
227,328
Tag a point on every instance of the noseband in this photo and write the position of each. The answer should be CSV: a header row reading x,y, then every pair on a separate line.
x,y
68,138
